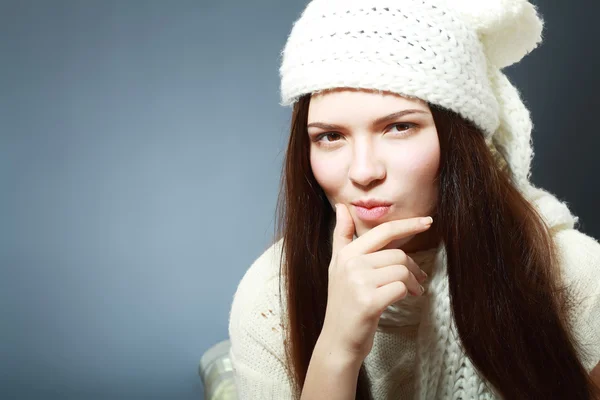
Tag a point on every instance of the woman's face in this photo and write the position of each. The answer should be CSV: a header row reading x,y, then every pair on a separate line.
x,y
372,145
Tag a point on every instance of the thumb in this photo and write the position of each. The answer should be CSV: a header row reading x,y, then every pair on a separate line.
x,y
343,233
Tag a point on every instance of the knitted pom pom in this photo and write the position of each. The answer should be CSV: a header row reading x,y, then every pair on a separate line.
x,y
508,29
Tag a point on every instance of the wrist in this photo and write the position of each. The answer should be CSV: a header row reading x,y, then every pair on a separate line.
x,y
332,374
335,358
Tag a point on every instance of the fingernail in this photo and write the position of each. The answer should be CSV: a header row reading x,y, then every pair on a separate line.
x,y
426,221
422,289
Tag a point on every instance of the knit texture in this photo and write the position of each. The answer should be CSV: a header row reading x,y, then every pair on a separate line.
x,y
415,354
397,46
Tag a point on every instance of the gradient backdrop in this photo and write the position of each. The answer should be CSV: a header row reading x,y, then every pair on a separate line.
x,y
140,153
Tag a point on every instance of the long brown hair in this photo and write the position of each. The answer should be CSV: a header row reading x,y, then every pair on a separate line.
x,y
506,297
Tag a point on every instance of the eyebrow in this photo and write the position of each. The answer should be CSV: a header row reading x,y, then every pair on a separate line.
x,y
378,121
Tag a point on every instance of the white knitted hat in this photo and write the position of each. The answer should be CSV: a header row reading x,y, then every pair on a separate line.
x,y
446,52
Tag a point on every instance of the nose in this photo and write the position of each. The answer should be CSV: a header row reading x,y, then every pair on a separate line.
x,y
366,166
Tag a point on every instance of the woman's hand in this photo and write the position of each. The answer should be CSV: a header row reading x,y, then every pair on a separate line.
x,y
363,282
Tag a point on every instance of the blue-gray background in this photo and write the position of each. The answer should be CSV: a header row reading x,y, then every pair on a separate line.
x,y
140,153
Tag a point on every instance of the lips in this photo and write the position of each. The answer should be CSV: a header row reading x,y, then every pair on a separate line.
x,y
372,214
372,203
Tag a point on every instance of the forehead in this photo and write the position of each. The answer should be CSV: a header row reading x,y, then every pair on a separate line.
x,y
358,104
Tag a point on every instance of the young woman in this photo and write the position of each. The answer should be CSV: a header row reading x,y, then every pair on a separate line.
x,y
413,257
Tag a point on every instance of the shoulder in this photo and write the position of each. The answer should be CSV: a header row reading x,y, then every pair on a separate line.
x,y
258,288
579,256
256,332
256,316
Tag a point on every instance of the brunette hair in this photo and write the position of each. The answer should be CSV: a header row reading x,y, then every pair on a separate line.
x,y
506,296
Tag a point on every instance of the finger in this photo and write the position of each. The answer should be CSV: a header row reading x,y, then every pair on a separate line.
x,y
386,257
413,266
343,233
389,294
385,275
382,234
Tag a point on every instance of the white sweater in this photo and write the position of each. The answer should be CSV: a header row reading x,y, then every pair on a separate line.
x,y
256,335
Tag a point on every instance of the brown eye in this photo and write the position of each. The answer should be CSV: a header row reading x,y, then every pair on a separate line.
x,y
328,134
404,128
332,136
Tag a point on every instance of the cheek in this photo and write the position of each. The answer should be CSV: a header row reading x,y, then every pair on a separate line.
x,y
329,173
416,172
418,165
424,166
